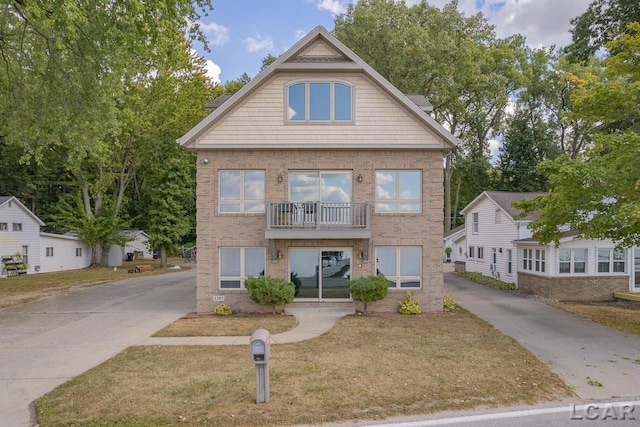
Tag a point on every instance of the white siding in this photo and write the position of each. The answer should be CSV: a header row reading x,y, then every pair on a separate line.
x,y
491,235
377,119
64,253
13,241
139,244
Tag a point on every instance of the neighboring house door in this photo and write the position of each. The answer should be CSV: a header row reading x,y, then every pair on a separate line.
x,y
636,270
320,274
494,262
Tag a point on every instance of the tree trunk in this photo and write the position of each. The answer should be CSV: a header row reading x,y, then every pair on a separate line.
x,y
163,256
96,254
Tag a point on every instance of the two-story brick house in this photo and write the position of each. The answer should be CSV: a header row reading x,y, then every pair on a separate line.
x,y
318,171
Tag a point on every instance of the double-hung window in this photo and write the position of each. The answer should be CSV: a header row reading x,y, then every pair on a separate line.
x,y
611,261
401,265
319,101
476,222
49,251
241,191
572,261
472,251
527,259
4,226
398,191
540,260
236,264
17,226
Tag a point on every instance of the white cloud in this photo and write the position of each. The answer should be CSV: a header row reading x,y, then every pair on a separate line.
x,y
336,7
300,34
494,148
259,44
212,70
217,34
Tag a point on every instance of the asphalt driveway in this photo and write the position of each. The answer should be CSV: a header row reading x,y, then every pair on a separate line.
x,y
46,342
578,350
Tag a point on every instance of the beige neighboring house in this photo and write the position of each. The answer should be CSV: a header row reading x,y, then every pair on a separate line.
x,y
318,171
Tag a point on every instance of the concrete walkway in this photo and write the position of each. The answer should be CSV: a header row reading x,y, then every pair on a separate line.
x,y
312,322
578,350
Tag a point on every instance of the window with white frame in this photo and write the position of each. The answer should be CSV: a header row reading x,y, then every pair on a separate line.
x,y
509,261
475,222
49,251
236,264
540,263
17,226
527,259
319,101
78,252
241,191
480,252
572,261
4,226
611,261
398,191
25,254
472,251
401,265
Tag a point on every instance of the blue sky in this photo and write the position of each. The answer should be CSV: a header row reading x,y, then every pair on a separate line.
x,y
242,32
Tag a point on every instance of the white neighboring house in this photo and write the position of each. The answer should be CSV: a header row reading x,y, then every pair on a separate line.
x,y
578,269
137,244
42,252
491,230
63,252
19,233
455,239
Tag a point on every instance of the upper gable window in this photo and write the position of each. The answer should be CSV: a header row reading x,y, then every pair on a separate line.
x,y
319,102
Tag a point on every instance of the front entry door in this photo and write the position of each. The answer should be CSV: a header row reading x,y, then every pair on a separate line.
x,y
320,274
636,270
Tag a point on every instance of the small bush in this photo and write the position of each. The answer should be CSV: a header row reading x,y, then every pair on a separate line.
x,y
409,305
488,281
265,290
368,289
449,303
222,310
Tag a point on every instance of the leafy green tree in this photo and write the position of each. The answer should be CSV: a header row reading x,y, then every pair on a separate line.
x,y
369,289
267,60
597,193
232,86
603,21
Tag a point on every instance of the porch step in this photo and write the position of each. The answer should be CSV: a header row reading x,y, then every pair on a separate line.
x,y
627,295
320,304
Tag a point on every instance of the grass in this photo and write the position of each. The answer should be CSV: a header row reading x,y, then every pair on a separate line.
x,y
15,290
624,317
366,367
236,325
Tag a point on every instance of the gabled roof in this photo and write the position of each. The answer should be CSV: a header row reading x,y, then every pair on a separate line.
x,y
504,200
6,199
458,229
340,59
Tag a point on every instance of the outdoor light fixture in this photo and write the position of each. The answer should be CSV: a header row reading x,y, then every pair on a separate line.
x,y
279,254
205,161
360,178
280,178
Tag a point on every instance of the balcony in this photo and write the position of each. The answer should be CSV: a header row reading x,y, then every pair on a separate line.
x,y
318,220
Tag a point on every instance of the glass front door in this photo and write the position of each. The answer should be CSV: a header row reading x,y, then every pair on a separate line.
x,y
320,274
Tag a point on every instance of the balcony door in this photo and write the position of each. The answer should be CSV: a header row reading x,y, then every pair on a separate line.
x,y
320,274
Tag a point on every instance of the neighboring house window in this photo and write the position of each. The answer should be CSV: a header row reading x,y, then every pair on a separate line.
x,y
611,260
17,226
509,261
319,102
4,226
475,222
498,217
527,259
472,251
540,260
236,264
400,265
241,191
398,191
25,254
78,251
572,261
480,252
49,251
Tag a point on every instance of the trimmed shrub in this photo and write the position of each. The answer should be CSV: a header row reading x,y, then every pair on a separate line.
x,y
488,281
368,289
409,305
265,290
222,309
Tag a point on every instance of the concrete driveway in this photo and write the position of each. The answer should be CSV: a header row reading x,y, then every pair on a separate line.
x,y
578,350
46,342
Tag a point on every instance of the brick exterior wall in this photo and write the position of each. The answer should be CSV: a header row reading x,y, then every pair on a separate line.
x,y
217,230
573,288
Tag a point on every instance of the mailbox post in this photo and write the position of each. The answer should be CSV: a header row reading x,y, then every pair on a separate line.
x,y
260,349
